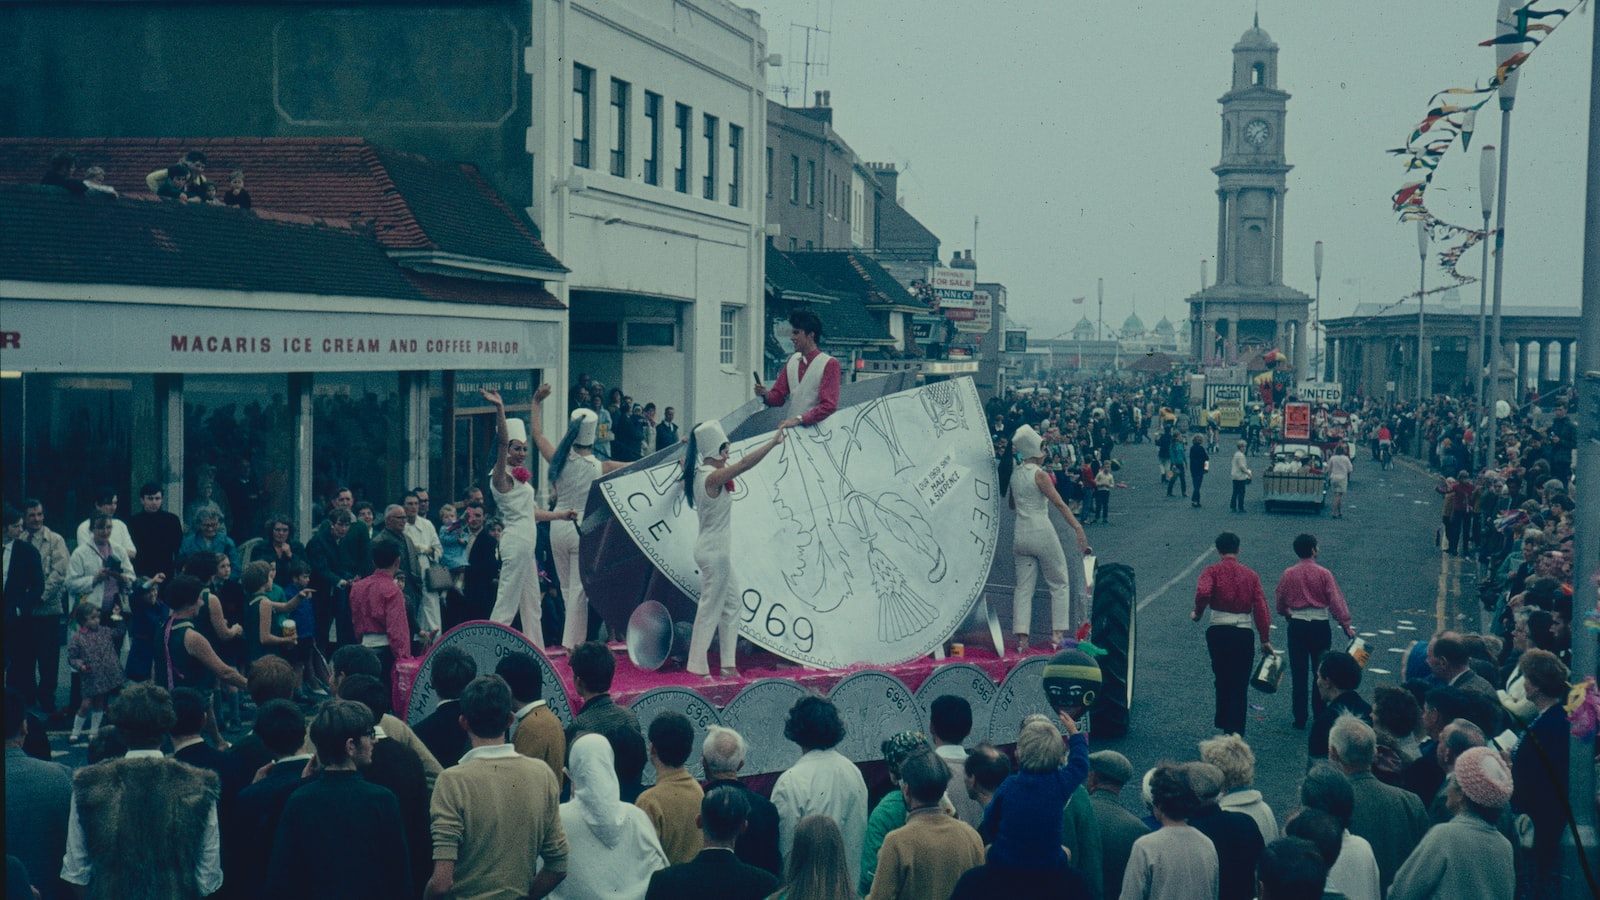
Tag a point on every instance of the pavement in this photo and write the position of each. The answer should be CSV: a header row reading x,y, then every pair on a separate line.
x,y
1398,586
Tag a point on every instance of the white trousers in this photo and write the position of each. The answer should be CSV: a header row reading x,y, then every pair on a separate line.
x,y
564,547
1035,553
519,589
717,614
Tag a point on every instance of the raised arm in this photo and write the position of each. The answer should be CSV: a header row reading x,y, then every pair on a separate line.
x,y
500,479
733,470
536,423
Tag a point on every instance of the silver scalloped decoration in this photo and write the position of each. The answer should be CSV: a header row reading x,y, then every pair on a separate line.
x,y
874,706
966,681
758,714
701,714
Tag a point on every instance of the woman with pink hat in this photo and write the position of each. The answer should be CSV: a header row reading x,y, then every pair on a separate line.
x,y
1466,856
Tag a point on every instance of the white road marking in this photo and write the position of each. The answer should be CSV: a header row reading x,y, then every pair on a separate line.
x,y
1368,633
1377,671
1396,650
1405,621
1198,560
1385,631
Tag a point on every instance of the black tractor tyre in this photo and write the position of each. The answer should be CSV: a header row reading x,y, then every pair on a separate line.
x,y
1112,622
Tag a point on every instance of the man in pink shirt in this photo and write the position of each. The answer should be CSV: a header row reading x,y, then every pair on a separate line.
x,y
378,610
1233,594
811,375
1307,597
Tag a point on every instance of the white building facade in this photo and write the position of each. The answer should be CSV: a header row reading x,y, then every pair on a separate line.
x,y
649,182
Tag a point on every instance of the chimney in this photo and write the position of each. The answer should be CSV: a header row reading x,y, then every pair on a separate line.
x,y
827,98
817,98
889,177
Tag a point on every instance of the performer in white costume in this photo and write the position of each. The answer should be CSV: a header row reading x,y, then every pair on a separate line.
x,y
810,376
519,511
709,488
1035,545
573,467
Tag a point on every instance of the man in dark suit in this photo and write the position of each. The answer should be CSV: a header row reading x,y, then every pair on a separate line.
x,y
247,837
23,589
397,767
38,802
716,871
188,746
441,731
722,756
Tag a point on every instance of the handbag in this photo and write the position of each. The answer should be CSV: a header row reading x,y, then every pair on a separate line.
x,y
438,578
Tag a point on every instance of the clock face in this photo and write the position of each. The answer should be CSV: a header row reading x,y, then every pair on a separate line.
x,y
1257,132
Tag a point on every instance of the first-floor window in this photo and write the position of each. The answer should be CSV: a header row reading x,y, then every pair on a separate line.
x,y
725,342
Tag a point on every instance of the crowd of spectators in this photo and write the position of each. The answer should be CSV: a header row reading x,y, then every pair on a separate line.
x,y
182,182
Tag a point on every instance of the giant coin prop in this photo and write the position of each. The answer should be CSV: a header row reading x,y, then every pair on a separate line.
x,y
1071,681
864,539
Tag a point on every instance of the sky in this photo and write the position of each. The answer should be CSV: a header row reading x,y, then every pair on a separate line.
x,y
1084,145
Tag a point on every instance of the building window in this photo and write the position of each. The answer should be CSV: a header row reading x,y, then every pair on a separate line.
x,y
582,128
794,244
725,337
811,182
652,150
708,185
680,175
735,164
1257,74
794,178
769,172
596,334
619,127
652,334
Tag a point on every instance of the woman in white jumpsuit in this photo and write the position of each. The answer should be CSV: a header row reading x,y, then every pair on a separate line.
x,y
573,467
519,511
1035,545
709,488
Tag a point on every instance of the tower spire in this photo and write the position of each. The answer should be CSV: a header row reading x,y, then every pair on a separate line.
x,y
1257,22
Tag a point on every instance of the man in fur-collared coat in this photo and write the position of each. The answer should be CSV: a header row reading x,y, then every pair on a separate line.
x,y
145,825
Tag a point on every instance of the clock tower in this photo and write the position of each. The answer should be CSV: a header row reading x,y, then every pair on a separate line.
x,y
1248,308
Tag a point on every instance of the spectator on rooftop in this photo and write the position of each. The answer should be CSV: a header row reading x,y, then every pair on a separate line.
x,y
61,172
174,185
94,179
236,194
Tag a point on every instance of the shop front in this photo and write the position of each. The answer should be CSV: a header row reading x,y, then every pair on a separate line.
x,y
259,409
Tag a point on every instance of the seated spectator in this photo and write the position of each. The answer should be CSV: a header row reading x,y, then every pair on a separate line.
x,y
236,195
1290,869
340,834
612,846
1355,873
453,670
1175,860
61,172
173,185
1023,821
715,871
1233,756
722,756
930,853
1465,857
673,803
822,781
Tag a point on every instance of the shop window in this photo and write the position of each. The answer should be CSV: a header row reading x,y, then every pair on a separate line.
x,y
596,334
238,442
358,436
66,436
476,438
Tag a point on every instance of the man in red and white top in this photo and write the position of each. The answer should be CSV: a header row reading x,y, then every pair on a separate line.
x,y
378,610
810,375
1233,593
1308,596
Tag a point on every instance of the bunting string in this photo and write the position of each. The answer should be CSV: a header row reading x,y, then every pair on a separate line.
x,y
1451,115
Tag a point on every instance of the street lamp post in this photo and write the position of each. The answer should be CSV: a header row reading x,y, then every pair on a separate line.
x,y
1423,353
1316,316
1099,317
1205,334
1508,99
1486,174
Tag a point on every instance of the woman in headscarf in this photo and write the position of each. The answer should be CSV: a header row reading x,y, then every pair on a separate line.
x,y
612,848
573,467
1035,546
709,487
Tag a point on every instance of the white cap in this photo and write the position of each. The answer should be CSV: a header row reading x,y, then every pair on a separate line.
x,y
517,430
588,426
709,438
1027,442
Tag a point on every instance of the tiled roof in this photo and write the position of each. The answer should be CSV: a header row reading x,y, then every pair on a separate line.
x,y
472,290
785,279
854,272
412,203
48,235
846,320
1366,310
